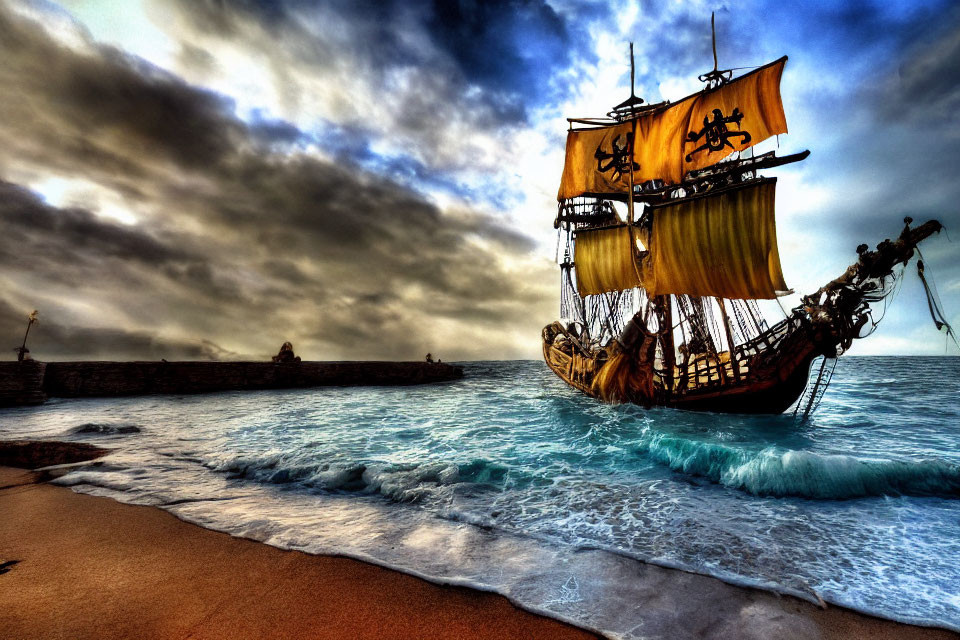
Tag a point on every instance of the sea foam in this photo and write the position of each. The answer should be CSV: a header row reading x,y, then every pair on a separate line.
x,y
400,482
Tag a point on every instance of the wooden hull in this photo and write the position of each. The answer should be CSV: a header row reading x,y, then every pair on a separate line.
x,y
770,385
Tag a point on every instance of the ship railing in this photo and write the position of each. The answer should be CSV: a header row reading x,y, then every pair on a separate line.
x,y
707,370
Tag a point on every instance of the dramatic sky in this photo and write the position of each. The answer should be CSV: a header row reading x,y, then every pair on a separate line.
x,y
210,178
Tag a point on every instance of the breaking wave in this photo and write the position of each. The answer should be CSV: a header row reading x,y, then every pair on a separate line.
x,y
771,472
409,482
779,473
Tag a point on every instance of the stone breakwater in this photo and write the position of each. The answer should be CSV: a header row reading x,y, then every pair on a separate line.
x,y
32,382
21,383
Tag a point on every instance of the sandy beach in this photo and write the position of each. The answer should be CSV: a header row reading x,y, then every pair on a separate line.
x,y
90,567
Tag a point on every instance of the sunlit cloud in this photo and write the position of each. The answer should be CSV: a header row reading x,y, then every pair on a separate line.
x,y
379,179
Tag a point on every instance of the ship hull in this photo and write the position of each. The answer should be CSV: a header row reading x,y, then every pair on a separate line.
x,y
770,387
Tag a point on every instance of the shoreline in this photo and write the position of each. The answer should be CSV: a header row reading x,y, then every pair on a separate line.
x,y
91,566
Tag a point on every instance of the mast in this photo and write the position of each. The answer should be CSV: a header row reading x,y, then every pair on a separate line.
x,y
729,333
633,138
713,32
717,76
665,317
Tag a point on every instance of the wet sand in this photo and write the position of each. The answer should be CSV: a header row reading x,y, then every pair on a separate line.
x,y
91,567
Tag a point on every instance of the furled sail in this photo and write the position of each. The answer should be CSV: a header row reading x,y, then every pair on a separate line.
x,y
598,161
722,244
606,260
704,128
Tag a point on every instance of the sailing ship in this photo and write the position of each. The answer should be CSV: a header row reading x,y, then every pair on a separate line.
x,y
661,308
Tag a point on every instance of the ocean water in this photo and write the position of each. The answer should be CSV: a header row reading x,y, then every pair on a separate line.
x,y
510,481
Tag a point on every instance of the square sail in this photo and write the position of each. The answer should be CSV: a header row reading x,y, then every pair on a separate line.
x,y
722,245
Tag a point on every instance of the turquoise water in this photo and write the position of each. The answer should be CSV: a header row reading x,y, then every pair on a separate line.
x,y
499,479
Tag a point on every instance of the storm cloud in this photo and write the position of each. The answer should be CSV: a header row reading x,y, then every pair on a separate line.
x,y
233,241
201,179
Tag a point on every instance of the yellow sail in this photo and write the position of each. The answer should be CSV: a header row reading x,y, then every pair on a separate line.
x,y
606,260
694,133
722,245
598,161
704,128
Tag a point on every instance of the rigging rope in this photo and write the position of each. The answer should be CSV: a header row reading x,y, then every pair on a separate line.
x,y
758,318
741,322
933,302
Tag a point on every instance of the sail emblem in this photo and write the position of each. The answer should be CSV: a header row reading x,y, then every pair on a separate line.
x,y
619,159
716,133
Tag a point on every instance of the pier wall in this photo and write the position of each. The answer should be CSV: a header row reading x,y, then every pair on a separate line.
x,y
21,383
31,382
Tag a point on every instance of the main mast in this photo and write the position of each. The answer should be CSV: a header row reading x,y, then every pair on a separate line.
x,y
632,138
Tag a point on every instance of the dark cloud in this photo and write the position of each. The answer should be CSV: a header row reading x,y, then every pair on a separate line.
x,y
237,241
490,57
25,217
196,58
226,18
270,132
50,251
112,97
925,91
902,124
53,340
375,86
504,45
688,48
